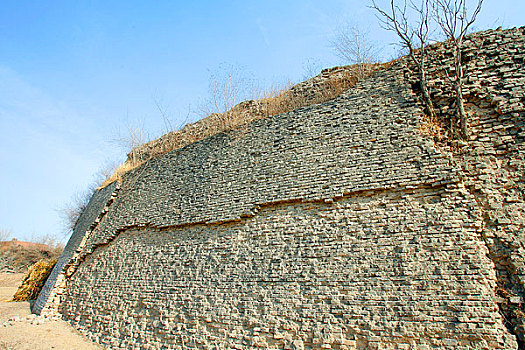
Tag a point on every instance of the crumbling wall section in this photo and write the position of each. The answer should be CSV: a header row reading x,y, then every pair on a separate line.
x,y
493,158
98,205
351,280
365,140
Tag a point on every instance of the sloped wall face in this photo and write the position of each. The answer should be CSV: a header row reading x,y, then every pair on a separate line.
x,y
48,296
335,226
385,270
366,140
493,159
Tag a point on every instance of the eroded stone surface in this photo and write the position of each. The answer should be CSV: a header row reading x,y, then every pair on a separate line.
x,y
377,270
339,225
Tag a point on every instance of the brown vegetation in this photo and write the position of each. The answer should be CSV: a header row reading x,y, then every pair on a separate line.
x,y
72,210
17,256
326,86
34,280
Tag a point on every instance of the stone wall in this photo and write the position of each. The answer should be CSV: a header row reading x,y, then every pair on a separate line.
x,y
379,269
98,205
339,225
492,161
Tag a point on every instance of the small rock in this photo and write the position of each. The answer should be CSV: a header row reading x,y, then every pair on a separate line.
x,y
515,300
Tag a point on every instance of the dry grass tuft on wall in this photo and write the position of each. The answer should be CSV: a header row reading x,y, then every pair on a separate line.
x,y
34,280
326,86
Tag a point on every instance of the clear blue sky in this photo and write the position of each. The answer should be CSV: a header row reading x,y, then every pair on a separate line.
x,y
75,75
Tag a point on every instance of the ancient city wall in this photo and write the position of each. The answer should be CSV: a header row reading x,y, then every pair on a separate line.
x,y
493,160
345,225
89,218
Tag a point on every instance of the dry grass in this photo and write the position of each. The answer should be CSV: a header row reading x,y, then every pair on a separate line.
x,y
34,280
128,165
275,101
286,101
433,129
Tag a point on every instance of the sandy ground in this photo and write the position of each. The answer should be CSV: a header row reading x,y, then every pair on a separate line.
x,y
19,330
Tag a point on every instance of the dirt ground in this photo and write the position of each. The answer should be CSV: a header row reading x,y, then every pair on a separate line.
x,y
19,330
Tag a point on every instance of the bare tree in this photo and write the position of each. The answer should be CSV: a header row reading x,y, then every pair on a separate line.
x,y
413,37
454,20
132,141
228,86
5,234
354,46
72,210
52,241
163,110
311,68
108,168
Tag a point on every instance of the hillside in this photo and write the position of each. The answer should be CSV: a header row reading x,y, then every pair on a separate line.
x,y
16,256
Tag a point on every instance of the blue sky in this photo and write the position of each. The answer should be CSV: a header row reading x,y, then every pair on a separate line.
x,y
75,75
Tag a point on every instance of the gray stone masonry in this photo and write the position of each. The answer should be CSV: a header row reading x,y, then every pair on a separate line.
x,y
343,225
96,208
325,84
493,160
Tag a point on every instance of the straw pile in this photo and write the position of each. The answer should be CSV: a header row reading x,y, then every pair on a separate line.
x,y
34,280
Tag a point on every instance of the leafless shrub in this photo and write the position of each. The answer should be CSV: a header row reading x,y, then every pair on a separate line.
x,y
54,244
353,45
311,67
72,210
455,21
228,86
131,141
413,36
107,169
163,111
5,234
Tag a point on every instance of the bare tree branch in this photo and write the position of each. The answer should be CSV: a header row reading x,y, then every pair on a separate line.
x,y
72,211
454,21
413,37
163,110
229,85
354,46
5,234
